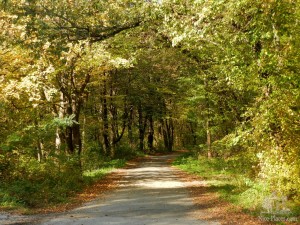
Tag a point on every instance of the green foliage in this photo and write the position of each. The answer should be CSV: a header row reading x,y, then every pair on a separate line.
x,y
246,89
106,167
226,179
98,79
33,184
207,168
124,151
67,121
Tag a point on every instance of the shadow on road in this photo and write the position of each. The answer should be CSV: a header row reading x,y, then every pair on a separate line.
x,y
149,194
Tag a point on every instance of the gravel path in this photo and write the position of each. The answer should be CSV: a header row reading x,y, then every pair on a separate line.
x,y
149,194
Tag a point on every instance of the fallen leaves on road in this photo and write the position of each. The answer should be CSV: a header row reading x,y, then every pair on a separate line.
x,y
208,205
96,190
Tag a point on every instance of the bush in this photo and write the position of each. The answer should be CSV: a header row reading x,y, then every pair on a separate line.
x,y
125,151
230,181
34,184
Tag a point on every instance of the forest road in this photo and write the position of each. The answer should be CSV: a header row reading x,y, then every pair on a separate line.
x,y
150,194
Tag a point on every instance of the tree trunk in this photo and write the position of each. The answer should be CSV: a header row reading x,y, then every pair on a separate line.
x,y
105,134
193,132
39,143
77,142
129,127
71,101
83,133
142,128
168,134
72,132
150,133
40,148
208,139
59,137
208,133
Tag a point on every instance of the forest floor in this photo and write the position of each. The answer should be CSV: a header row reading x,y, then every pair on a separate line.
x,y
147,191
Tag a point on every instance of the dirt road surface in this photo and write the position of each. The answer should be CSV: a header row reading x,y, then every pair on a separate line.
x,y
149,194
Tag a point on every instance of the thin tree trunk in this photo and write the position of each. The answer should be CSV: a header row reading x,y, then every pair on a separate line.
x,y
208,139
129,127
106,142
150,133
208,133
83,133
59,135
40,148
142,128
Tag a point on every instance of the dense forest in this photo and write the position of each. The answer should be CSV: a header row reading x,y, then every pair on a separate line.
x,y
83,82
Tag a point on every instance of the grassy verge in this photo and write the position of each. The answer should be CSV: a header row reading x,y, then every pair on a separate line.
x,y
50,185
232,183
93,175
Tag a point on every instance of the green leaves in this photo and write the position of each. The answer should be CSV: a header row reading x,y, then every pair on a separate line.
x,y
67,121
223,73
246,87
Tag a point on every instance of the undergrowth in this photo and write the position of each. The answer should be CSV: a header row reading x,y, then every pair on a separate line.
x,y
35,185
232,183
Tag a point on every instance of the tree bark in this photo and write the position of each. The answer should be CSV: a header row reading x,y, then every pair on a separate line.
x,y
168,134
105,134
208,133
208,139
71,102
142,128
129,127
150,133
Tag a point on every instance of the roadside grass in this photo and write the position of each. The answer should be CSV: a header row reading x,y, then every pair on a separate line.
x,y
49,188
91,176
233,184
